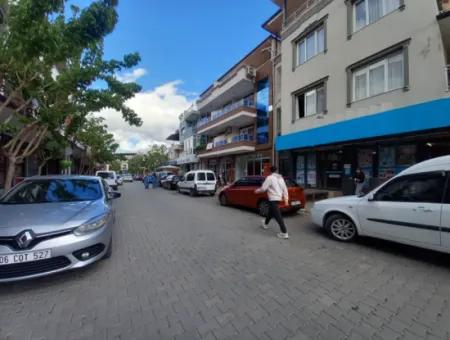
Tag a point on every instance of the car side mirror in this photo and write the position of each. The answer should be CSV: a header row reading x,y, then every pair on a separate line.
x,y
371,197
114,194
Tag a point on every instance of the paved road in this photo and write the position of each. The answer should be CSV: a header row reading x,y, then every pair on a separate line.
x,y
186,268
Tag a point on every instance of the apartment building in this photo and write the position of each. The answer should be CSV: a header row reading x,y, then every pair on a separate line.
x,y
236,117
188,141
364,83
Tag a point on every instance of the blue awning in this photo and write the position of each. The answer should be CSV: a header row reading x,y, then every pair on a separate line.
x,y
425,116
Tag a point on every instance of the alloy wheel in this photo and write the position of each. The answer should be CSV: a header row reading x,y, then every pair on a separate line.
x,y
343,229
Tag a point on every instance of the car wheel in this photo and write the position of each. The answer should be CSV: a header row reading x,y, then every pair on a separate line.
x,y
263,208
179,190
341,228
109,250
193,192
223,200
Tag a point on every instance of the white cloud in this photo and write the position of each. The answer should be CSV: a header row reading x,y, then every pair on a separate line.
x,y
132,76
159,109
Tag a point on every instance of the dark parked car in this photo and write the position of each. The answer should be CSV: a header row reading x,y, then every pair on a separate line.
x,y
171,182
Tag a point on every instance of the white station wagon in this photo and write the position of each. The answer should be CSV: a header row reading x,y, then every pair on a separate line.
x,y
411,208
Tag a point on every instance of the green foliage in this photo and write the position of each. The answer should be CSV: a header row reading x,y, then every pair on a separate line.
x,y
115,165
55,56
154,158
65,164
101,144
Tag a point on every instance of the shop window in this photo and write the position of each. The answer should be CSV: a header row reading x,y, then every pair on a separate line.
x,y
423,188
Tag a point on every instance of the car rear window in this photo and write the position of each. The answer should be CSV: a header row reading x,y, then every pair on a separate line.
x,y
201,176
105,175
210,176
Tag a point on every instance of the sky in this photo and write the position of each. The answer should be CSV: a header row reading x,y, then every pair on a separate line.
x,y
185,45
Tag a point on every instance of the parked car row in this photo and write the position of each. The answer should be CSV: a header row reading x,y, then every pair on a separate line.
x,y
240,194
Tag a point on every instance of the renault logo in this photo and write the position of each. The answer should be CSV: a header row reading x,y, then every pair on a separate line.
x,y
24,239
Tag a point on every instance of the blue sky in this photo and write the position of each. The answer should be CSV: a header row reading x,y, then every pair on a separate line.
x,y
191,40
185,45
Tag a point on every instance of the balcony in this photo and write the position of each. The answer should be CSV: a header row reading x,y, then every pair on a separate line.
x,y
444,24
239,144
231,86
191,115
237,114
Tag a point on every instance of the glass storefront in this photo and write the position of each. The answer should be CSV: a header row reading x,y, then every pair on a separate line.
x,y
262,109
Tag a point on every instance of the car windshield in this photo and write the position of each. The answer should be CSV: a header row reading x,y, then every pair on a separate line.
x,y
105,175
54,191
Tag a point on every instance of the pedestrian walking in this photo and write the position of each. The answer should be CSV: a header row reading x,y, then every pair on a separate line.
x,y
360,181
147,180
277,191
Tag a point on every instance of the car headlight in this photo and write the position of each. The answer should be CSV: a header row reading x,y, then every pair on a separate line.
x,y
91,226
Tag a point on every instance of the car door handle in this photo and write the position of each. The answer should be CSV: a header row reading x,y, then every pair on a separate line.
x,y
422,209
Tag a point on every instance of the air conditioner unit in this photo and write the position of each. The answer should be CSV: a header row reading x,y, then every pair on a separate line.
x,y
251,72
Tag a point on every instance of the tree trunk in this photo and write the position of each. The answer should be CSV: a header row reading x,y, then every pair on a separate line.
x,y
42,165
10,173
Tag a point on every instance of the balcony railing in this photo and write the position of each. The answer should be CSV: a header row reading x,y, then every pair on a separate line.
x,y
235,139
245,102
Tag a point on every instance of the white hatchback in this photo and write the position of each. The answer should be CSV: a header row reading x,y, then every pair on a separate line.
x,y
198,182
412,208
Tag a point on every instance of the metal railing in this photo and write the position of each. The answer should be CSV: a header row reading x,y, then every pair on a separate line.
x,y
244,102
235,139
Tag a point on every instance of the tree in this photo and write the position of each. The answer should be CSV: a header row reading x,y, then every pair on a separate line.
x,y
101,144
52,148
150,161
156,156
115,165
49,59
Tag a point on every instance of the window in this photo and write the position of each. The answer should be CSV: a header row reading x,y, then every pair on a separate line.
x,y
422,188
190,177
278,122
210,176
311,45
369,11
379,77
201,176
311,102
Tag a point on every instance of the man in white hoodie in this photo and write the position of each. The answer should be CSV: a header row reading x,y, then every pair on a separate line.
x,y
277,191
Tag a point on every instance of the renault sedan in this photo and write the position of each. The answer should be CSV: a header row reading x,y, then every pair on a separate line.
x,y
53,224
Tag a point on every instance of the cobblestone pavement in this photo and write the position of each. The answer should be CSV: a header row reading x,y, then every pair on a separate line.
x,y
186,268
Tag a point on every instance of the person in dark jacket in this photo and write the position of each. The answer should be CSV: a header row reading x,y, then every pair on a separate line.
x,y
360,181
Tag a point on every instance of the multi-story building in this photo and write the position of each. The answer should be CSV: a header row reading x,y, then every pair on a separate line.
x,y
364,83
189,141
236,118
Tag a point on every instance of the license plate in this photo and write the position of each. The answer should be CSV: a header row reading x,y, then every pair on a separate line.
x,y
25,257
295,203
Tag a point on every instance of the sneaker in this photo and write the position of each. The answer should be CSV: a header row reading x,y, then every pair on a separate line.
x,y
264,225
283,235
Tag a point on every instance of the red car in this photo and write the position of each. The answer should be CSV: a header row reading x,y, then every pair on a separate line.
x,y
242,193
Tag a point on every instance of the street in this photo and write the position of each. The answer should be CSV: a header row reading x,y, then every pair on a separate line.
x,y
187,268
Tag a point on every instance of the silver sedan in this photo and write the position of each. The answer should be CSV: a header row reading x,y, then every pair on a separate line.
x,y
54,223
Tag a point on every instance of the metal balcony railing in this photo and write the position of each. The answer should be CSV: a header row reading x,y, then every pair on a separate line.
x,y
235,139
244,102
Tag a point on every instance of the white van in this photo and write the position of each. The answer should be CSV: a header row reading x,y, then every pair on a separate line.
x,y
411,208
198,182
110,177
